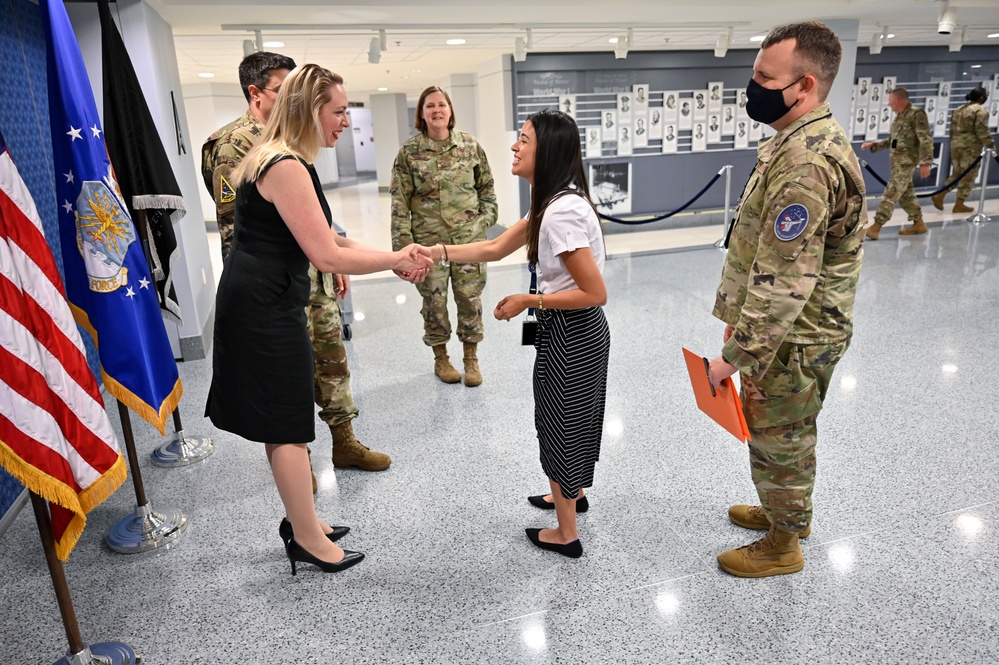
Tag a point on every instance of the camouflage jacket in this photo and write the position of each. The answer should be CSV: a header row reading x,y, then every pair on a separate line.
x,y
796,246
442,191
910,137
969,129
219,156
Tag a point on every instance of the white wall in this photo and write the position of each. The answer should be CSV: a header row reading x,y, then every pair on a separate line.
x,y
497,133
462,89
209,107
363,134
149,40
842,89
390,120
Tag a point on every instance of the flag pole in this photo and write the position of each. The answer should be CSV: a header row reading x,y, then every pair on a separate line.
x,y
80,653
145,529
181,450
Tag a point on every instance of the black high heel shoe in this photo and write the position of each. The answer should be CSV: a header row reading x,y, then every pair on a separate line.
x,y
573,550
287,533
298,553
582,504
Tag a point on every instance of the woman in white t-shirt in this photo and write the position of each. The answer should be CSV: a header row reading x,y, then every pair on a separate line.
x,y
566,249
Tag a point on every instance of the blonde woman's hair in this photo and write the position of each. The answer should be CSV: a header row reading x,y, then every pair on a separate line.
x,y
293,127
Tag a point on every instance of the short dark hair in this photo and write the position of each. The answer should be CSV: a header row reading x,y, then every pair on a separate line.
x,y
978,94
558,164
256,68
817,45
900,92
420,123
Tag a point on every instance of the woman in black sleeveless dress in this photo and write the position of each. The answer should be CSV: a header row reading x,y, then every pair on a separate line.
x,y
262,382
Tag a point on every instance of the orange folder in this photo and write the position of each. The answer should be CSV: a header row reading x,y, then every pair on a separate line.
x,y
722,404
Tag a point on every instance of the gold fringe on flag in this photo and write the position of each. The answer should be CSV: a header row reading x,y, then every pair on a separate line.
x,y
57,492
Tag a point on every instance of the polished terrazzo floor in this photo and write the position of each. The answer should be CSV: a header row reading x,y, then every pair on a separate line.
x,y
900,567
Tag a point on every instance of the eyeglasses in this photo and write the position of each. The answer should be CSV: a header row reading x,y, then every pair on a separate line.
x,y
274,90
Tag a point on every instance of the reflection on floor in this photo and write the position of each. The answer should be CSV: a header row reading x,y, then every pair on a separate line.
x,y
900,566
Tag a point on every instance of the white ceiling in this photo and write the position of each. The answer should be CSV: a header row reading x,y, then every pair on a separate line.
x,y
209,35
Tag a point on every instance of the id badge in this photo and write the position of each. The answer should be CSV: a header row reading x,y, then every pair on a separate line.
x,y
529,333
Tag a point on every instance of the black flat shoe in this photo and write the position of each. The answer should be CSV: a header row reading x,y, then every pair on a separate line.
x,y
298,553
573,550
582,505
287,533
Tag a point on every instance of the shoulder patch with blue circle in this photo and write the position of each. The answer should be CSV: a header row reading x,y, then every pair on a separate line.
x,y
791,222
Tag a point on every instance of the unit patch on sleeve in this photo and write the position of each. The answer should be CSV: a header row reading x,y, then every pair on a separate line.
x,y
791,222
226,194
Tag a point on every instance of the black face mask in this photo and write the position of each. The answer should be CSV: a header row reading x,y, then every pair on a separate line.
x,y
766,105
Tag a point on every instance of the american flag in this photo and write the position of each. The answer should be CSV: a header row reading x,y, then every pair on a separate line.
x,y
55,436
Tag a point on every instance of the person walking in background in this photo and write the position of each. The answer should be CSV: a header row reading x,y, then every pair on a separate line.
x,y
263,371
565,246
969,133
442,191
788,286
911,143
261,75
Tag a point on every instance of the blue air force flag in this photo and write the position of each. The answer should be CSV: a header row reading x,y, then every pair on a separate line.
x,y
108,281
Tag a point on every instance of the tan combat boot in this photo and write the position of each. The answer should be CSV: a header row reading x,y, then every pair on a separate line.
x,y
349,452
315,483
443,368
917,227
777,553
874,231
938,200
473,377
960,207
754,517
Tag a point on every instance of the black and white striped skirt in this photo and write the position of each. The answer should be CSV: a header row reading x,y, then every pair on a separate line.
x,y
570,390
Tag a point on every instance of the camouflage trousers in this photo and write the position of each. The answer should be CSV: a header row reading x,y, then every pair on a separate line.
x,y
226,233
336,403
781,410
960,161
468,280
899,190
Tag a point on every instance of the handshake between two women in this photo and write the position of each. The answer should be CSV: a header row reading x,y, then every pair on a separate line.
x,y
426,257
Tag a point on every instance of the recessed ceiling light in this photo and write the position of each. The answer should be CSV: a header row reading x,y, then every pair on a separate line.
x,y
416,71
206,75
976,66
891,36
994,35
382,89
757,38
612,40
456,42
273,44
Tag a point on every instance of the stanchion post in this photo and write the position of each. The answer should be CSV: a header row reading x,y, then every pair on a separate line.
x,y
728,206
980,217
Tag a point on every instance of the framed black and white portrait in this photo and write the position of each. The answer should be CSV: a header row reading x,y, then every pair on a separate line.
x,y
610,188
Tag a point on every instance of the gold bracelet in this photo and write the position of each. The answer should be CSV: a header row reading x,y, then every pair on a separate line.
x,y
541,301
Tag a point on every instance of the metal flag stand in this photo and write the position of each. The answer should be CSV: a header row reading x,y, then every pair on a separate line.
x,y
182,450
146,529
980,216
105,653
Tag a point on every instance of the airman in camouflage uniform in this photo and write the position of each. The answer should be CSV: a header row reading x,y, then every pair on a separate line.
x,y
969,133
442,191
261,75
220,155
787,292
911,143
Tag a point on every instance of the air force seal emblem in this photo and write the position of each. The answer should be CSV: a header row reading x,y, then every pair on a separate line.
x,y
104,232
791,222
